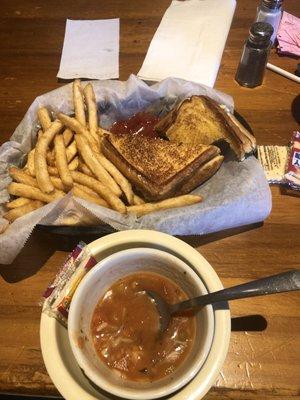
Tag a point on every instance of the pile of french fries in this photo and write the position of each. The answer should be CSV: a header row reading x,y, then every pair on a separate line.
x,y
68,156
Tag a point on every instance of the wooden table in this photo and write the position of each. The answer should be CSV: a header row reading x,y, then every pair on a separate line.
x,y
262,364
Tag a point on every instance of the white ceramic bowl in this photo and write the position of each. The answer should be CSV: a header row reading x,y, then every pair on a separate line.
x,y
93,287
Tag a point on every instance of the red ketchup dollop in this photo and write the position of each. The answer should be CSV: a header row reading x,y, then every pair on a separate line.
x,y
141,123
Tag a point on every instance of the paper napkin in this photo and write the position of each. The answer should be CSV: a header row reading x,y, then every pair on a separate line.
x,y
90,50
189,41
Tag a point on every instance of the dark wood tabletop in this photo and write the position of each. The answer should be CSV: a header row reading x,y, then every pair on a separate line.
x,y
264,356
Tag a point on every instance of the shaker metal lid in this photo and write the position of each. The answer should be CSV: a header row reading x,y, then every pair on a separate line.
x,y
261,32
272,4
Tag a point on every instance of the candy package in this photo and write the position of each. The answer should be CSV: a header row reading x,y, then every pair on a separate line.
x,y
59,293
292,176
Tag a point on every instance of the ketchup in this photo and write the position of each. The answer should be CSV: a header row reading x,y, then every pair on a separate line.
x,y
141,123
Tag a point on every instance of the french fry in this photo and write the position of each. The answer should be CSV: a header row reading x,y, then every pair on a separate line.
x,y
77,127
21,176
91,161
92,110
71,151
52,171
57,183
50,157
30,163
180,201
137,200
39,134
68,136
78,102
73,164
77,191
86,189
72,167
40,163
44,118
18,212
85,169
101,189
61,161
19,202
120,179
30,192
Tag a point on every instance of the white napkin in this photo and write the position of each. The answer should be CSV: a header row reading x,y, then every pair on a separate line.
x,y
189,41
91,49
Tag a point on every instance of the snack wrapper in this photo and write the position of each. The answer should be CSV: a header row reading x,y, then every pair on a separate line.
x,y
59,293
273,160
292,176
238,194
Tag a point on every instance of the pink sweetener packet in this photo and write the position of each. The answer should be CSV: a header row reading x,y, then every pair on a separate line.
x,y
59,293
288,35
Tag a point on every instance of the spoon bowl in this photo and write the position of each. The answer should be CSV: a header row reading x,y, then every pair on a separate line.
x,y
284,282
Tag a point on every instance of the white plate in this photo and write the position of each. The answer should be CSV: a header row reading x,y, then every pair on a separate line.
x,y
56,350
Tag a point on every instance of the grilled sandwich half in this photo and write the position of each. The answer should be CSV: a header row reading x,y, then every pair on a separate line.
x,y
200,119
159,169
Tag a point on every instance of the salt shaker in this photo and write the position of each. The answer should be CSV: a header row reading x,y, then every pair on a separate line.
x,y
255,54
270,11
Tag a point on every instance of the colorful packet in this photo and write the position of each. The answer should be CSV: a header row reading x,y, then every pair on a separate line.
x,y
65,271
281,164
292,176
59,293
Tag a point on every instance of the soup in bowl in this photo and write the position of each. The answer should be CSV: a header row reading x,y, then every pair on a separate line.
x,y
114,326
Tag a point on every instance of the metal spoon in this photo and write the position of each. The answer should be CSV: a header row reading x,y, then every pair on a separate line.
x,y
284,282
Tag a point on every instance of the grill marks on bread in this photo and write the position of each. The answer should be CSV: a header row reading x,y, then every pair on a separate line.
x,y
157,168
200,119
157,159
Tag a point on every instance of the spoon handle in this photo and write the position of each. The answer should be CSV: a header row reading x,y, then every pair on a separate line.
x,y
284,282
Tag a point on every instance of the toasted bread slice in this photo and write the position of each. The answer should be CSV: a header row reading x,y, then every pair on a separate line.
x,y
158,168
200,120
205,172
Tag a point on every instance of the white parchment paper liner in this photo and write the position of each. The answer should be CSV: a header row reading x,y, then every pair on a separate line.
x,y
236,195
